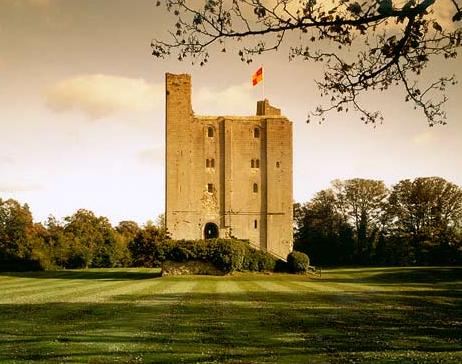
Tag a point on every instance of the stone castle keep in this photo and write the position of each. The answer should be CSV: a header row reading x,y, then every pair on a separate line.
x,y
228,176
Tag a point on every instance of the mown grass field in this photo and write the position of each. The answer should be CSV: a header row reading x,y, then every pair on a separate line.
x,y
402,315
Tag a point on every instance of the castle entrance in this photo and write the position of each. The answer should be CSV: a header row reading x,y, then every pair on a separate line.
x,y
210,231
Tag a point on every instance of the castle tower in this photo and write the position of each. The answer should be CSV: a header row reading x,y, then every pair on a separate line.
x,y
228,176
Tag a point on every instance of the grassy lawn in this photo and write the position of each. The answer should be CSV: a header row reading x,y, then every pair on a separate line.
x,y
401,315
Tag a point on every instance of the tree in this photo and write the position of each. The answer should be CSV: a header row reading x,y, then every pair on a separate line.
x,y
363,202
15,226
363,45
126,232
145,246
428,212
322,231
92,240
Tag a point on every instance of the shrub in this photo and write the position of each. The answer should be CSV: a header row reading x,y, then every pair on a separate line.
x,y
298,262
228,255
258,261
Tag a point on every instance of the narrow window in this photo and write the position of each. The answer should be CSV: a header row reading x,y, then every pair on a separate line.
x,y
278,164
255,224
207,163
212,163
252,164
256,133
210,132
257,163
210,187
255,188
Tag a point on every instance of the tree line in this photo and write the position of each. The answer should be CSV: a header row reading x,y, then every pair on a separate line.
x,y
356,221
81,240
362,222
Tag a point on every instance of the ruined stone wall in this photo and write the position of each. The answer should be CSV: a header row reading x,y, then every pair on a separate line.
x,y
246,151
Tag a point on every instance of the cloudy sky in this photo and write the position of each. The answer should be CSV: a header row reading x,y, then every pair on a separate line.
x,y
82,113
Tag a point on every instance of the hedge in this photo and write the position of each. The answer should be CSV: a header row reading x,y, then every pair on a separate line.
x,y
228,255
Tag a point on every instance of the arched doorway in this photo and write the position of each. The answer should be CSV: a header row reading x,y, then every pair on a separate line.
x,y
210,231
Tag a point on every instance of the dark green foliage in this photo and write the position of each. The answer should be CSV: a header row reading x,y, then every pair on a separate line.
x,y
228,255
258,261
358,222
15,228
149,247
93,239
298,262
322,229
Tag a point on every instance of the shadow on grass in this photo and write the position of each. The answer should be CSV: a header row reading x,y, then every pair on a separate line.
x,y
244,327
403,275
92,274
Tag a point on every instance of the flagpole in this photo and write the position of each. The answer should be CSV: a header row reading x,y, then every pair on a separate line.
x,y
263,83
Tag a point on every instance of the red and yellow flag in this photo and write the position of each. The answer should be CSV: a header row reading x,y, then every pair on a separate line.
x,y
257,77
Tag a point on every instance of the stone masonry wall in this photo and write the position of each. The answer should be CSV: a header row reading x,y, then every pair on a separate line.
x,y
246,191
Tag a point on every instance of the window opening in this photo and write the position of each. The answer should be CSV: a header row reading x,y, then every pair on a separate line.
x,y
210,132
212,163
257,163
256,133
255,188
255,224
278,164
210,187
252,164
207,163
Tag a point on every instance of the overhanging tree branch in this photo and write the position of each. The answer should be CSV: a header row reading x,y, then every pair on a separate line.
x,y
392,43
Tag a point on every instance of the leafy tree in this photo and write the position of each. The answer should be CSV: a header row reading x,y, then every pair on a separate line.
x,y
428,212
322,232
128,228
58,242
91,238
126,233
363,202
15,226
145,246
363,45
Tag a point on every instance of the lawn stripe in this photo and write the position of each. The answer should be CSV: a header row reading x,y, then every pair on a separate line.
x,y
180,287
48,294
45,285
125,288
274,286
228,287
316,286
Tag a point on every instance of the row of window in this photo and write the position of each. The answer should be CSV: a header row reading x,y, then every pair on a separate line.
x,y
211,132
254,163
210,187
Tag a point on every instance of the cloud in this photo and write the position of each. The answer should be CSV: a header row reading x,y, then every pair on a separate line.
x,y
233,100
101,95
424,138
152,155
